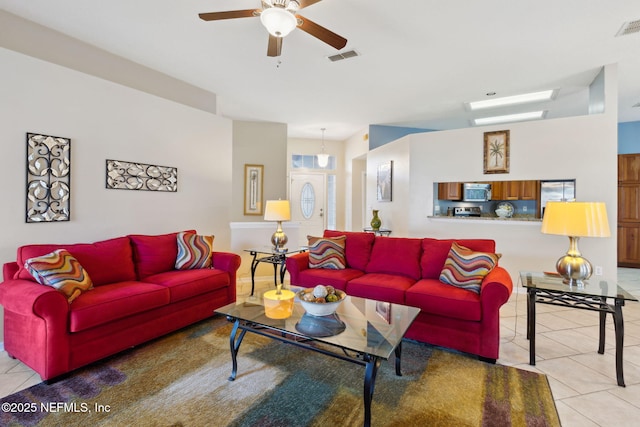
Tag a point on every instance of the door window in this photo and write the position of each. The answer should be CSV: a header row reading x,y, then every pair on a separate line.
x,y
307,200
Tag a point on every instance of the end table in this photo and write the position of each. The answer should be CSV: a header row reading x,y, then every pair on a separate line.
x,y
548,288
270,256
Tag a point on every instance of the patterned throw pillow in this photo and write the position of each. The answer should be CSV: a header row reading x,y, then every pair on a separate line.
x,y
327,252
60,270
466,269
194,251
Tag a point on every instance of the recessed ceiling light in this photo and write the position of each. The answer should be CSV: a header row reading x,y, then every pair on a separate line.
x,y
533,115
511,100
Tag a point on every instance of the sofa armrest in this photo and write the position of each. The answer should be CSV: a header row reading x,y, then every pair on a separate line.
x,y
29,298
226,261
496,288
495,291
296,264
9,270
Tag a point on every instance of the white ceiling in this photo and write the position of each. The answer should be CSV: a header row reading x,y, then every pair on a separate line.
x,y
420,59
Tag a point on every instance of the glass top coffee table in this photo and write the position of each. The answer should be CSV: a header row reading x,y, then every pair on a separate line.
x,y
362,331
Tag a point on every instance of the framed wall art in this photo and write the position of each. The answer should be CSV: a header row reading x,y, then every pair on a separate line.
x,y
48,178
123,175
385,181
496,152
253,187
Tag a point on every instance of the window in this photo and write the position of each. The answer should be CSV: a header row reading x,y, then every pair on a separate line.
x,y
331,202
310,161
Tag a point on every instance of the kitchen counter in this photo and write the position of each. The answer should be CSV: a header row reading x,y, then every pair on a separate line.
x,y
516,218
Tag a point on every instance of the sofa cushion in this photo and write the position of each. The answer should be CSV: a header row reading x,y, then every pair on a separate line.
x,y
321,276
60,270
466,269
435,252
327,252
189,283
380,286
154,254
357,247
107,303
107,261
396,255
194,251
434,297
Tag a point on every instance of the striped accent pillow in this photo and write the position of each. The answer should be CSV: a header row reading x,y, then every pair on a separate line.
x,y
466,269
60,270
194,251
327,252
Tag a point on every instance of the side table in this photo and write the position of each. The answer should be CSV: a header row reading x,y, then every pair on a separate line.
x,y
548,288
270,256
379,232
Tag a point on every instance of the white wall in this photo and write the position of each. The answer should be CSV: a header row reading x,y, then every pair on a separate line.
x,y
258,143
108,121
580,148
583,148
355,154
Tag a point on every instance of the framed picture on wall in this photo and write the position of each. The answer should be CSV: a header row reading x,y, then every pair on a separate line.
x,y
253,186
385,181
496,152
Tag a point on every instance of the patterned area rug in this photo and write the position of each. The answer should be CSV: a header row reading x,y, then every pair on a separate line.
x,y
182,380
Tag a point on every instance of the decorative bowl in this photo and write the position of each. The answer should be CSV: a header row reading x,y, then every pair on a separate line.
x,y
319,308
505,210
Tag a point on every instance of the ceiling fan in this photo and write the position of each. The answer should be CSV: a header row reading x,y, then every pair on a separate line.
x,y
280,17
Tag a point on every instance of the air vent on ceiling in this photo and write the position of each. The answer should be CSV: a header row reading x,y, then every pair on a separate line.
x,y
344,55
629,28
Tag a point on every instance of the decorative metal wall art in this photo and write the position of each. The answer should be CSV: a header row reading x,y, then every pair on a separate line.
x,y
48,178
123,175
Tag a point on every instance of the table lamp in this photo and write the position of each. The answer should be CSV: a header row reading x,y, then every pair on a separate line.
x,y
278,210
575,220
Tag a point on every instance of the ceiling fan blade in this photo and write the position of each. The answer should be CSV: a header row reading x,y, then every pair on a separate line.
x,y
321,33
305,3
275,46
231,14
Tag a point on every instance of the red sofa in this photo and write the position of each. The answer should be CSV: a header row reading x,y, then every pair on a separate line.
x,y
137,296
406,271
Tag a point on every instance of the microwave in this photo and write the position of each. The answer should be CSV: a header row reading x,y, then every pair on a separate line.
x,y
472,192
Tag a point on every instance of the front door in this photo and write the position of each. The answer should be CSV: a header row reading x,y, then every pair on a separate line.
x,y
308,204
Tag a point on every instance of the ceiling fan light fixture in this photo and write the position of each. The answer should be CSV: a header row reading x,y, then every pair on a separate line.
x,y
278,21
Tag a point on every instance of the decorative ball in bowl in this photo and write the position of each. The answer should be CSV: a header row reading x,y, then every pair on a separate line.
x,y
321,300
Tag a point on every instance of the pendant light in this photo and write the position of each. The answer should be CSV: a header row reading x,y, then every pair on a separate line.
x,y
323,158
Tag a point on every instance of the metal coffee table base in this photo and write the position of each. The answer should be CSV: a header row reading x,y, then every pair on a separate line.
x,y
370,362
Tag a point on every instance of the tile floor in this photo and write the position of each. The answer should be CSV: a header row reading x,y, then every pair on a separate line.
x,y
583,382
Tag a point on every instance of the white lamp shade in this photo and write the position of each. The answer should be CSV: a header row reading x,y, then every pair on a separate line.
x,y
577,219
277,210
278,21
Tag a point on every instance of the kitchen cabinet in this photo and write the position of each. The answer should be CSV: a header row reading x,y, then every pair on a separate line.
x,y
629,210
629,168
515,190
521,190
629,245
497,190
450,191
